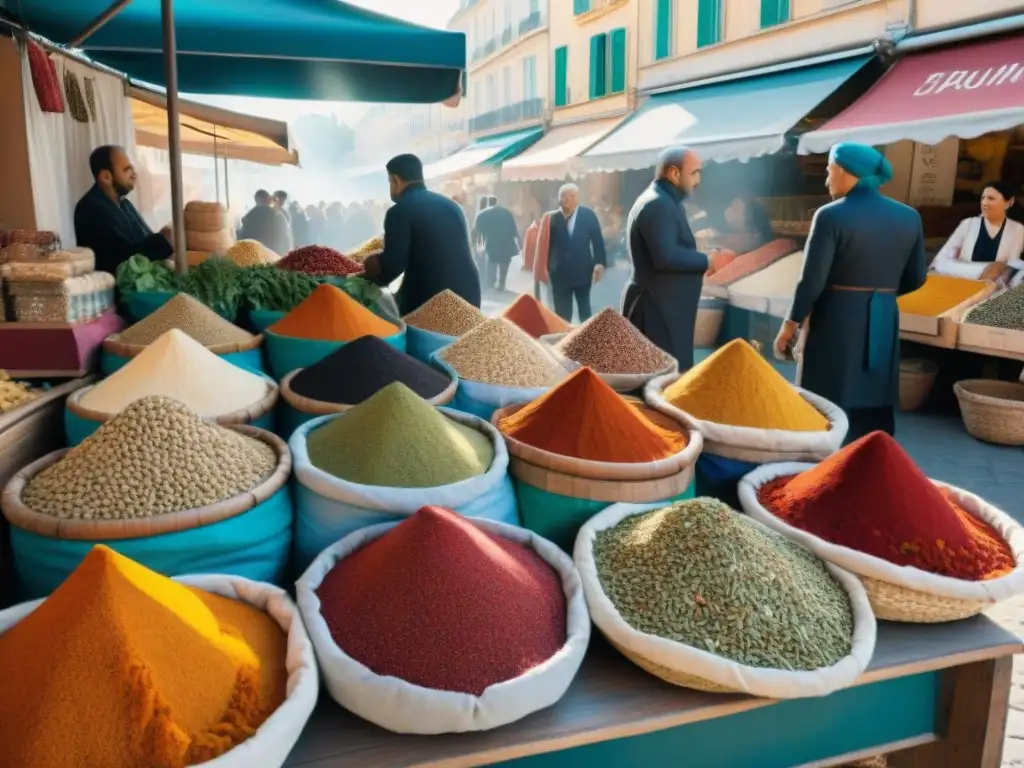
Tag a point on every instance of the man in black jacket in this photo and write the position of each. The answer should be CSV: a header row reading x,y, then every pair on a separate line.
x,y
576,255
105,220
496,226
668,271
267,224
426,241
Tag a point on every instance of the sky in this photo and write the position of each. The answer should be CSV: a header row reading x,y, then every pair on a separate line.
x,y
429,13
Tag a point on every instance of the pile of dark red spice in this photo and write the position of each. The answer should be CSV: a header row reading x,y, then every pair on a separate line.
x,y
872,497
442,604
321,261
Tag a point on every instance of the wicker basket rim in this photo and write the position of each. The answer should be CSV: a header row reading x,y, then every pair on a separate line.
x,y
18,514
313,407
968,389
115,346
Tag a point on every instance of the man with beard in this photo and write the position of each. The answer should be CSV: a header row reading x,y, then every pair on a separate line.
x,y
663,296
863,251
426,241
106,221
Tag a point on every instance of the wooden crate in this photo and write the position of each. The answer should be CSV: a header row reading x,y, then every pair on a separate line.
x,y
940,330
985,340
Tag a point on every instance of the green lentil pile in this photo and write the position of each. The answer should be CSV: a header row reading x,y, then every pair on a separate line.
x,y
189,315
446,313
396,439
1004,311
154,458
501,353
703,575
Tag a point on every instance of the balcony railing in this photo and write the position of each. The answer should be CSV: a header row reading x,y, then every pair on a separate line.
x,y
530,23
529,109
506,36
490,46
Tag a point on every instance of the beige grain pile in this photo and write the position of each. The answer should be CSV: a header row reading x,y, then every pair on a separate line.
x,y
155,458
499,352
178,367
187,314
14,393
446,313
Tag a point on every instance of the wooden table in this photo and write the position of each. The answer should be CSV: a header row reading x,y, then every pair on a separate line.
x,y
936,695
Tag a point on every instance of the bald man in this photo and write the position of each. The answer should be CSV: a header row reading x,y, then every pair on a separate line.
x,y
668,271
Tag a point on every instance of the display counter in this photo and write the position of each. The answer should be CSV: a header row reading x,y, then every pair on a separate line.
x,y
934,694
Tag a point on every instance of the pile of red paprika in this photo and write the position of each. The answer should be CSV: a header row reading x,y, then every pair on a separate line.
x,y
321,261
872,498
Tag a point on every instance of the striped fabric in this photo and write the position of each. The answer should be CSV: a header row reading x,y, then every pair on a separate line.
x,y
752,262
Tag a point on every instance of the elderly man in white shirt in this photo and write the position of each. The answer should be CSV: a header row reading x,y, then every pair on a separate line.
x,y
983,247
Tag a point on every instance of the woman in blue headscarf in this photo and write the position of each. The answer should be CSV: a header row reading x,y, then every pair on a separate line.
x,y
864,250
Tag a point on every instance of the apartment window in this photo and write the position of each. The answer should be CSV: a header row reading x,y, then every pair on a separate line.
x,y
774,12
709,22
561,76
529,78
492,93
663,23
608,63
580,6
506,77
534,7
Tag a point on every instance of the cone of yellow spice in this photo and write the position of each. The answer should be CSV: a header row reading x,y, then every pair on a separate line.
x,y
736,386
122,667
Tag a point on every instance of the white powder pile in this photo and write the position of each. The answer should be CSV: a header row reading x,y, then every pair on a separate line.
x,y
179,367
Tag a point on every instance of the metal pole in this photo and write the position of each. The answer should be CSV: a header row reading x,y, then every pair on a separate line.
x,y
227,189
98,22
174,135
216,165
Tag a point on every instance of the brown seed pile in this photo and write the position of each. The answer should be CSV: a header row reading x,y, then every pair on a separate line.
x,y
499,352
189,315
154,458
609,343
447,313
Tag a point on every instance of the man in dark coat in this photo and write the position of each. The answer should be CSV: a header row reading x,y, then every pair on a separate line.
x,y
496,226
576,254
426,241
864,250
105,220
267,224
663,296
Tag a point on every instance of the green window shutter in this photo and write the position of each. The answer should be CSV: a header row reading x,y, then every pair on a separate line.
x,y
617,46
709,22
561,76
598,66
580,6
663,29
774,12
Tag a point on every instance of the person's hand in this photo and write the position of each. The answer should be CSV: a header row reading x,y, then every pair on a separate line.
x,y
785,338
598,273
993,271
168,233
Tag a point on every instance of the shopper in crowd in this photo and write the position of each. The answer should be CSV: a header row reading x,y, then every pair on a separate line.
x,y
359,226
496,227
570,254
300,225
106,221
426,241
280,202
334,226
267,224
743,225
316,225
530,241
982,245
663,295
864,251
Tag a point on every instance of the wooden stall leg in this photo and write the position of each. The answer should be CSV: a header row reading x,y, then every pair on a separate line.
x,y
972,716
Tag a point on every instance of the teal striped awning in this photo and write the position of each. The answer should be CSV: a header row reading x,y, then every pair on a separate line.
x,y
489,151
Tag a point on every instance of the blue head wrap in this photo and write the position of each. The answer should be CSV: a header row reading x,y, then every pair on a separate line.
x,y
866,163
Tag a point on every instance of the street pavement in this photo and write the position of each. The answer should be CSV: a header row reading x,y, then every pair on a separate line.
x,y
939,445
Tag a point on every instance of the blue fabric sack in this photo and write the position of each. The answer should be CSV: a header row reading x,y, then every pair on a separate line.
x,y
255,544
261,319
720,477
287,353
423,344
329,508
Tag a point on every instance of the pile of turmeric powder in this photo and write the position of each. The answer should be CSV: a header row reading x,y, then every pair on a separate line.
x,y
121,667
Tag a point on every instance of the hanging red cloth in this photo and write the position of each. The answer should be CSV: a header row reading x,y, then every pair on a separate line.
x,y
44,79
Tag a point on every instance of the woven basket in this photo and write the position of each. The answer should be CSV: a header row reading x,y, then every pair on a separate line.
x,y
114,346
207,220
993,411
917,377
243,416
322,408
213,242
17,513
709,325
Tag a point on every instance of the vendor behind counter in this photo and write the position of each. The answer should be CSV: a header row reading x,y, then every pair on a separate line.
x,y
107,222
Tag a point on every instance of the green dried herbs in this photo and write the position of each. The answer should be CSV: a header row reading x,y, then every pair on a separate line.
x,y
703,575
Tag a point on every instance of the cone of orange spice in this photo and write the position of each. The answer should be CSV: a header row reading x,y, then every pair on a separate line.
x,y
584,418
330,314
872,498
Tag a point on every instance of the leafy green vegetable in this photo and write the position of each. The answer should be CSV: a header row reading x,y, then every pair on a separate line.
x,y
218,283
278,290
142,274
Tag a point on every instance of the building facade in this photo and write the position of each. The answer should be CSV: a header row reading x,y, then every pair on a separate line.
x,y
507,78
685,41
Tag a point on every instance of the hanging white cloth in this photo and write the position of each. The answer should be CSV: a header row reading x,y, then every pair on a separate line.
x,y
59,146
